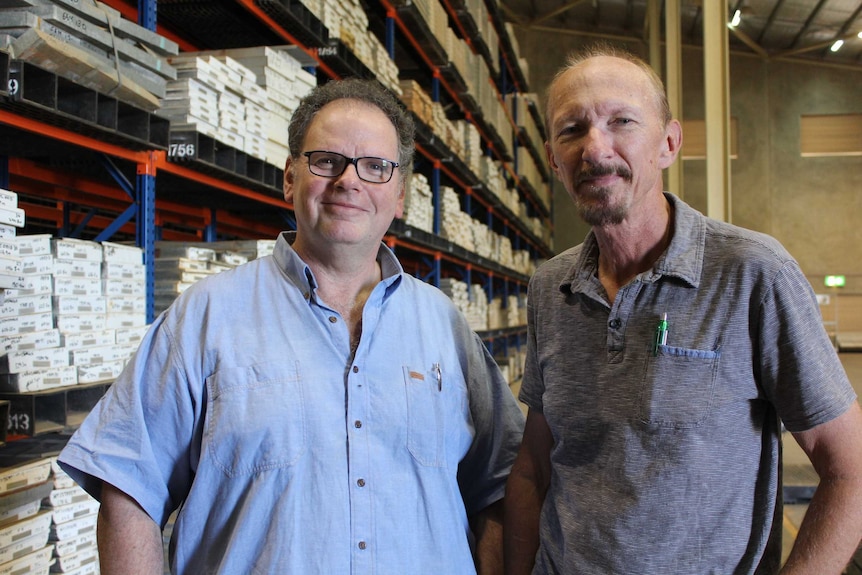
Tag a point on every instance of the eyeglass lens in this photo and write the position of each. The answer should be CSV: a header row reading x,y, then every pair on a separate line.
x,y
332,165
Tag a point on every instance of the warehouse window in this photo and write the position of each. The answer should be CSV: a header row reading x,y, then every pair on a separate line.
x,y
694,139
832,135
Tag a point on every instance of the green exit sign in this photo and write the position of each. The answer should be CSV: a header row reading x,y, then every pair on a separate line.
x,y
835,281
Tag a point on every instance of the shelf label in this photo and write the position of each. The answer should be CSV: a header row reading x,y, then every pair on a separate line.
x,y
19,424
327,51
182,151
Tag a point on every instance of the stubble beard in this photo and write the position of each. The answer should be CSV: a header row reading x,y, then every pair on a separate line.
x,y
595,204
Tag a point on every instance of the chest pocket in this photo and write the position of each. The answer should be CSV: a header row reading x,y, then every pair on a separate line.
x,y
434,404
255,418
678,387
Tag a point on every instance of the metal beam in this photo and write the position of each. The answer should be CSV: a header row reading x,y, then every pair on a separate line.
x,y
808,22
717,106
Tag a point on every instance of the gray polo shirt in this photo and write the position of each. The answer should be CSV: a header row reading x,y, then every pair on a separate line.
x,y
666,458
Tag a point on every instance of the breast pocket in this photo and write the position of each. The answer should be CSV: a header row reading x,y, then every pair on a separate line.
x,y
426,417
256,418
678,387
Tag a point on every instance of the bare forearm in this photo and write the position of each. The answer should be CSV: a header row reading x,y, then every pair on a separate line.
x,y
521,525
130,543
830,532
488,529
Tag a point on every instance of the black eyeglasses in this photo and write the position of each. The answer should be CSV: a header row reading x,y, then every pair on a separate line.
x,y
332,165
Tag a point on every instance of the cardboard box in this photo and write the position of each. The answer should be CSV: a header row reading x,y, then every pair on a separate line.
x,y
131,335
73,341
72,529
34,285
80,304
25,475
76,545
72,249
36,563
108,371
65,513
26,323
12,217
82,322
78,286
35,340
37,244
85,269
8,199
31,360
122,253
39,380
23,305
38,264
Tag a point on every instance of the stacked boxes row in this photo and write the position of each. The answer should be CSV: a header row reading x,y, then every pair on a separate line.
x,y
47,523
513,40
12,218
418,204
527,167
91,44
347,21
464,140
243,98
471,300
487,33
179,265
78,316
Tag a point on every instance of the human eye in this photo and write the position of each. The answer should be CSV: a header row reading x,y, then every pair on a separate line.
x,y
570,130
326,162
374,166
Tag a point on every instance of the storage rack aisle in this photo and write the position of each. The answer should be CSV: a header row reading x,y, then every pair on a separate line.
x,y
88,163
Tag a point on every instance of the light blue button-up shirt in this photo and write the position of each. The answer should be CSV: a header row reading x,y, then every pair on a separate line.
x,y
288,456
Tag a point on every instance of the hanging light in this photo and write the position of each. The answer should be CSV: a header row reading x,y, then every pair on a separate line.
x,y
837,45
737,18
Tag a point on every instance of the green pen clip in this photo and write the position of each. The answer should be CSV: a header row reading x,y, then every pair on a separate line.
x,y
660,334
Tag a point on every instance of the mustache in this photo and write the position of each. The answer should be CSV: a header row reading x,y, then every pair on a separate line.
x,y
599,170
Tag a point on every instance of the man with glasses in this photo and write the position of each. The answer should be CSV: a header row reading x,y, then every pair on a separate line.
x,y
317,411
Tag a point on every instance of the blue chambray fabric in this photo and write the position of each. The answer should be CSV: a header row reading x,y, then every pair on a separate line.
x,y
288,456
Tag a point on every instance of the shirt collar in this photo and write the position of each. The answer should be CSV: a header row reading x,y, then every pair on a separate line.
x,y
302,277
683,257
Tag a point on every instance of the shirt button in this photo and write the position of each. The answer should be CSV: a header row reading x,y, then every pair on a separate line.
x,y
362,545
332,319
357,424
615,323
355,369
360,483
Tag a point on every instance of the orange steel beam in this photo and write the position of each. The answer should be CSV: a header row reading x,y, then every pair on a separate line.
x,y
393,241
70,137
161,163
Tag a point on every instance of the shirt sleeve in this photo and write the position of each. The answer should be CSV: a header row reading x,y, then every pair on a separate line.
x,y
800,371
139,436
532,387
498,426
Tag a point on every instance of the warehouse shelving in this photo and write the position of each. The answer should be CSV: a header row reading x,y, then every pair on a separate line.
x,y
73,153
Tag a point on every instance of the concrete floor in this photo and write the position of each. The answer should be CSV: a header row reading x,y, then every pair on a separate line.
x,y
796,459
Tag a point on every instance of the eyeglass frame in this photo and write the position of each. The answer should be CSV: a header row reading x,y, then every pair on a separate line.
x,y
350,161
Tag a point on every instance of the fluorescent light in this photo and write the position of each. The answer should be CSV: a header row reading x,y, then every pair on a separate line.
x,y
859,34
837,45
737,18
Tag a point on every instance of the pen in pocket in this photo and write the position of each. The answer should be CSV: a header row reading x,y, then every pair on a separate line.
x,y
439,375
660,334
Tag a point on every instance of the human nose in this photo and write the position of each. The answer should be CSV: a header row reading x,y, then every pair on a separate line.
x,y
349,175
597,145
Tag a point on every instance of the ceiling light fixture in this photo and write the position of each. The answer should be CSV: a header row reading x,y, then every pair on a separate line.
x,y
837,45
859,34
737,18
